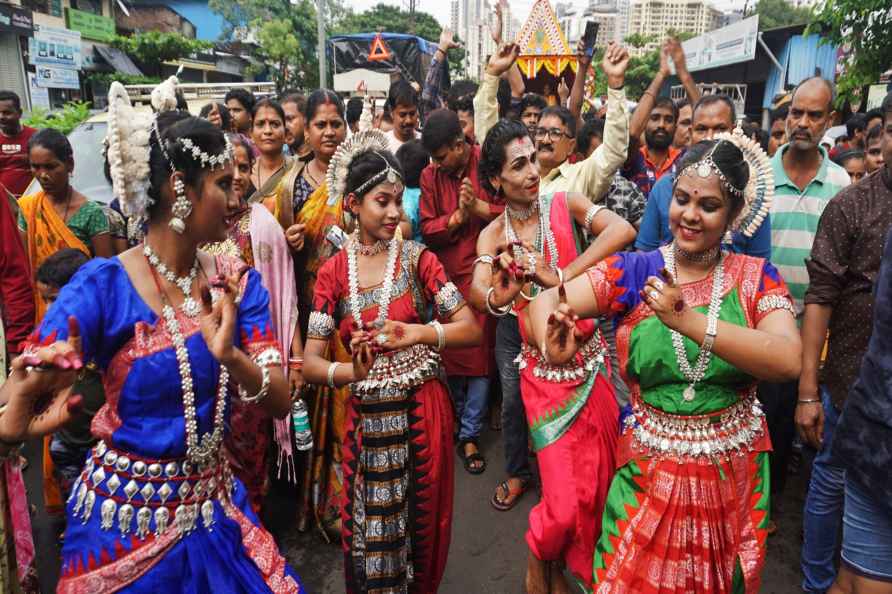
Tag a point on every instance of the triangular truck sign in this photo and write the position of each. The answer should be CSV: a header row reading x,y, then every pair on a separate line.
x,y
378,51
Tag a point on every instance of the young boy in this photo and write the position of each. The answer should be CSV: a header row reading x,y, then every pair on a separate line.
x,y
70,444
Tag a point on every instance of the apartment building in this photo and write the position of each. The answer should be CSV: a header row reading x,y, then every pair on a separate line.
x,y
656,17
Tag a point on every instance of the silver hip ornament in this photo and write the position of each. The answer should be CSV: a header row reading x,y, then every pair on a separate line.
x,y
182,208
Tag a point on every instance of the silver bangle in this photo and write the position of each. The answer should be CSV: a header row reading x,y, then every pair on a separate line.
x,y
593,210
262,393
711,330
441,335
332,367
489,307
560,275
484,259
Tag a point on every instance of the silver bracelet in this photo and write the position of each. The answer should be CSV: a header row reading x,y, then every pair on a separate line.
x,y
441,335
711,330
560,275
332,367
489,307
484,259
593,210
261,394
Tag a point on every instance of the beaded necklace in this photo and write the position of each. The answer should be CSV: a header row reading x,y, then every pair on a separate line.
x,y
695,375
544,233
204,451
386,288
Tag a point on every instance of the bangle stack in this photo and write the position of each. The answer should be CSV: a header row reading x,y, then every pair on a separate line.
x,y
497,312
296,363
484,259
332,368
441,335
261,394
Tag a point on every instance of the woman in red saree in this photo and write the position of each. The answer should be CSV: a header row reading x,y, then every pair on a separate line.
x,y
398,471
570,409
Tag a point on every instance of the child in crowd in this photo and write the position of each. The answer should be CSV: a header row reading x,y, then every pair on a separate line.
x,y
70,444
413,158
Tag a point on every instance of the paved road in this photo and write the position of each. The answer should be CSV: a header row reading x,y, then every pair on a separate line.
x,y
488,553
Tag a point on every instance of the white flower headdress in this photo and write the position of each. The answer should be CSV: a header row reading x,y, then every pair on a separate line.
x,y
128,140
759,191
339,166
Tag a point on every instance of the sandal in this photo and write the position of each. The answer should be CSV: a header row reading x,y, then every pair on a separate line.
x,y
512,497
474,463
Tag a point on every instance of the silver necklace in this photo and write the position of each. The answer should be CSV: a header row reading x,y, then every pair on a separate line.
x,y
524,214
544,234
369,250
201,452
386,288
695,375
190,306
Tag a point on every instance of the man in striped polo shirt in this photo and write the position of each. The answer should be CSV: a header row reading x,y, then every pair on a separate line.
x,y
805,180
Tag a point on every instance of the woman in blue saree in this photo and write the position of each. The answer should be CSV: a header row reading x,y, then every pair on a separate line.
x,y
177,334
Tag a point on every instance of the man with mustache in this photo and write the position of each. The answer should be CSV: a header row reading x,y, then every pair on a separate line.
x,y
659,132
402,103
555,134
805,180
712,114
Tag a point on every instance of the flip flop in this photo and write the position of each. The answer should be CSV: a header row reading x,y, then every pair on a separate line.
x,y
513,495
468,460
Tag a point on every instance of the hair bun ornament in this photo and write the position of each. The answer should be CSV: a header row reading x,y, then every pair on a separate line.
x,y
759,192
164,96
127,138
347,151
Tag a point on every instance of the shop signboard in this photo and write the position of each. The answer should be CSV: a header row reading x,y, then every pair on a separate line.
x,y
56,47
15,20
728,45
40,96
91,26
57,78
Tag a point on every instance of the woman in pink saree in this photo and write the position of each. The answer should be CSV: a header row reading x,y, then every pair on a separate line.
x,y
257,238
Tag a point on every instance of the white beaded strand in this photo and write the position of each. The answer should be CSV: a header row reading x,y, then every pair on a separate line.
x,y
184,283
696,374
386,288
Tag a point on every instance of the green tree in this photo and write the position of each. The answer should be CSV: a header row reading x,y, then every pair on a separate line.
x,y
780,13
299,20
280,50
864,28
152,48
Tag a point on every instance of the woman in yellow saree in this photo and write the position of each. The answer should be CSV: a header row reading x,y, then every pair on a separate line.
x,y
317,234
58,216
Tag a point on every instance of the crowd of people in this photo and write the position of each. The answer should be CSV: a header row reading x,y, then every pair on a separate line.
x,y
328,299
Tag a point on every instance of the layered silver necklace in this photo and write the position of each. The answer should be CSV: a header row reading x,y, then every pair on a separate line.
x,y
695,375
544,232
184,283
386,288
201,451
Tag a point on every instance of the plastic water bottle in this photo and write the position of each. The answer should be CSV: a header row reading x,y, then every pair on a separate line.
x,y
303,437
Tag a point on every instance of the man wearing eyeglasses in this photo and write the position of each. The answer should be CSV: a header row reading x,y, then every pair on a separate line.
x,y
555,135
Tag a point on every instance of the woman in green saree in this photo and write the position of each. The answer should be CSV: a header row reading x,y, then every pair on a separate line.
x,y
688,506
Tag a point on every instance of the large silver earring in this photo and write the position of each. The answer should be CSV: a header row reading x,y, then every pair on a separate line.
x,y
182,208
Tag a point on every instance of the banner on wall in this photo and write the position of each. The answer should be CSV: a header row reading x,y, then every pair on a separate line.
x,y
58,78
40,97
728,45
52,46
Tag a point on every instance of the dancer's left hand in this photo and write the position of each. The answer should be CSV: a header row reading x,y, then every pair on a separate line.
x,y
399,335
664,297
217,320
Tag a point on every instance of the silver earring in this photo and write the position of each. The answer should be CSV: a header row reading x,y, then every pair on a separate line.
x,y
182,208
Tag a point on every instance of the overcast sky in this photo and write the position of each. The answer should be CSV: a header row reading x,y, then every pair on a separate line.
x,y
440,8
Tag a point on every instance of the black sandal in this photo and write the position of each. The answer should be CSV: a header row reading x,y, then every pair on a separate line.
x,y
468,460
512,496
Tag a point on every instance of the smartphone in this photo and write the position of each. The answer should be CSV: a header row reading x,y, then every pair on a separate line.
x,y
337,236
590,36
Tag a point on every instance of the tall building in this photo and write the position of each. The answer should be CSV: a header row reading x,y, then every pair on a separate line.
x,y
606,13
623,14
473,18
454,21
656,17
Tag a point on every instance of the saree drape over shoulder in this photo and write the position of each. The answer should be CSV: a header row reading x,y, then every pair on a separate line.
x,y
689,504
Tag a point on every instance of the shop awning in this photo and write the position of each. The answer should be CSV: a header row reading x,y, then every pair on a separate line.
x,y
117,59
